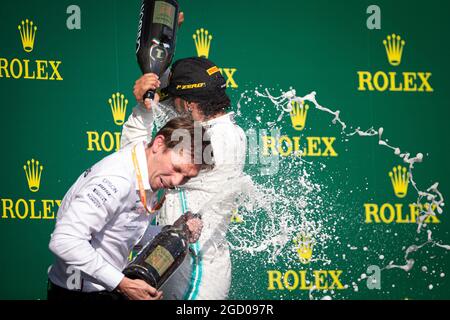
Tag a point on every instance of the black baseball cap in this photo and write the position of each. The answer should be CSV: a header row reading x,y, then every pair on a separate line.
x,y
196,79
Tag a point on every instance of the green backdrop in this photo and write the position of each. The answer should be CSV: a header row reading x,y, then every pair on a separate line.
x,y
317,46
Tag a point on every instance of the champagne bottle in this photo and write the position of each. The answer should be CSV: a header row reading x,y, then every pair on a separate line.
x,y
156,38
160,258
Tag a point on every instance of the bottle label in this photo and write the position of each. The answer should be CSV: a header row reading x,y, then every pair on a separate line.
x,y
160,259
164,13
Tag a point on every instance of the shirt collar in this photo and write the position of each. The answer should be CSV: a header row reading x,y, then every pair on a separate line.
x,y
225,118
142,162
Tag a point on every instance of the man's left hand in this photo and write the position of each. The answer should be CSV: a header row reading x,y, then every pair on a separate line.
x,y
195,226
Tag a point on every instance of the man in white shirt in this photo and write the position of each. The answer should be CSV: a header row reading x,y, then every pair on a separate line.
x,y
196,86
108,209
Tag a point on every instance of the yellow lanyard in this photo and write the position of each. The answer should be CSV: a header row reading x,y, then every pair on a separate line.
x,y
142,193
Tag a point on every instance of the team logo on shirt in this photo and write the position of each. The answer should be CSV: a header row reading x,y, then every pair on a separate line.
x,y
392,81
25,68
34,209
87,172
203,39
399,180
108,141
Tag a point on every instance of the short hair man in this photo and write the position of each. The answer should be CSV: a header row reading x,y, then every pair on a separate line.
x,y
108,209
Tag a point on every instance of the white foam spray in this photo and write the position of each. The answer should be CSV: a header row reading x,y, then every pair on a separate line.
x,y
434,200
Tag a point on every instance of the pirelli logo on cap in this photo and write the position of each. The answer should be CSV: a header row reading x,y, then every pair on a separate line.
x,y
212,70
191,86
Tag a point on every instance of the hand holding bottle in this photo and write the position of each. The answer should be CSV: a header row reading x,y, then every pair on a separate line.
x,y
148,81
166,252
138,290
194,224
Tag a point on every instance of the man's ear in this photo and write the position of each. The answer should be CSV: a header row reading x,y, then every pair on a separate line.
x,y
181,104
195,108
187,106
158,144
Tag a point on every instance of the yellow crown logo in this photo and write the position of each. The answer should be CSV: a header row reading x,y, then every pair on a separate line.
x,y
27,34
394,48
33,172
118,105
400,180
298,115
304,246
235,217
202,40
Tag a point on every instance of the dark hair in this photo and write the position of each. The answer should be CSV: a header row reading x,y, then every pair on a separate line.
x,y
174,133
213,107
208,108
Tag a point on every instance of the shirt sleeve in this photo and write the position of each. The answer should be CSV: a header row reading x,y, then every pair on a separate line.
x,y
138,127
87,213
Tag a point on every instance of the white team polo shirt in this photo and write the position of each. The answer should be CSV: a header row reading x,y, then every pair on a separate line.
x,y
100,220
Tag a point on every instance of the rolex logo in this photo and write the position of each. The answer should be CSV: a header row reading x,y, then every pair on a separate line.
x,y
22,209
235,217
298,115
304,247
33,171
27,34
202,40
394,48
394,81
26,68
118,105
400,180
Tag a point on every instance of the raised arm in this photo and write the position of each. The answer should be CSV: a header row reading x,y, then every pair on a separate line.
x,y
139,125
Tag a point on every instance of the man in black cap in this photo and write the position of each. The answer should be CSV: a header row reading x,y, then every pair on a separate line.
x,y
193,85
196,86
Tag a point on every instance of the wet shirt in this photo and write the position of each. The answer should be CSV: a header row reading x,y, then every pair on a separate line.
x,y
208,192
100,220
